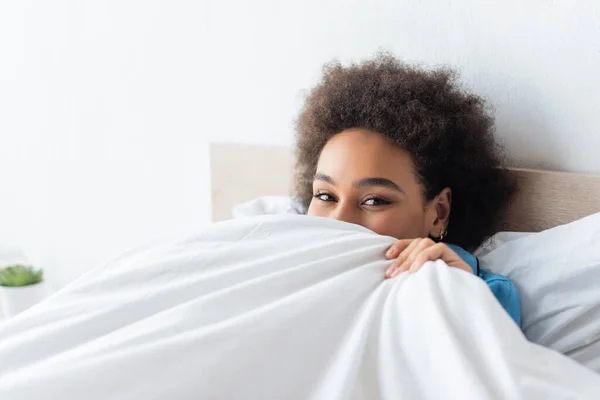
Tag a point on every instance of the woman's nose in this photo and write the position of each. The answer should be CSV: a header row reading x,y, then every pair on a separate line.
x,y
345,214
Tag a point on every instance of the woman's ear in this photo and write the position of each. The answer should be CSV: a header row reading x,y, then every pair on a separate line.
x,y
441,206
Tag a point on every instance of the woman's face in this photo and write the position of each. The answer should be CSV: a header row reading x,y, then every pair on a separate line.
x,y
364,179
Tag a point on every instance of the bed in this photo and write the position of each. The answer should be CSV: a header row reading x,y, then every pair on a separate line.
x,y
295,307
241,172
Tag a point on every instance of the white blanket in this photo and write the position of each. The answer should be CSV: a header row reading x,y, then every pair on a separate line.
x,y
277,307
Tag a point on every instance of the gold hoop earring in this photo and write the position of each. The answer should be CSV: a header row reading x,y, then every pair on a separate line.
x,y
443,234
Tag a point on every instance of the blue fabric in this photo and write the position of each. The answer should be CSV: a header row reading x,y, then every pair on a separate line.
x,y
501,287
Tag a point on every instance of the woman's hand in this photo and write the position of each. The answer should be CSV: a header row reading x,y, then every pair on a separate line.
x,y
411,254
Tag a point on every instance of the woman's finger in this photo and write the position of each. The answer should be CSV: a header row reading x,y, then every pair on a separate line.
x,y
414,252
421,246
399,265
419,251
397,247
402,256
431,253
440,251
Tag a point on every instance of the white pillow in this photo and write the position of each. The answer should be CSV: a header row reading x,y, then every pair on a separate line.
x,y
499,239
267,205
557,274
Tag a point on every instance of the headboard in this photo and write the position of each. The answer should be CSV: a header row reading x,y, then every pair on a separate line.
x,y
545,199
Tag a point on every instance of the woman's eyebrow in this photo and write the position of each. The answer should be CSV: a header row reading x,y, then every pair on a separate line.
x,y
368,182
325,178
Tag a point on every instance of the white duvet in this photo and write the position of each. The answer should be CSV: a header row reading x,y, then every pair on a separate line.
x,y
277,307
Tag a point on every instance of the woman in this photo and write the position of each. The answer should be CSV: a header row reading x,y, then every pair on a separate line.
x,y
406,153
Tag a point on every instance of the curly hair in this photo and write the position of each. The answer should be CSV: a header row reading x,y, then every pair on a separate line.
x,y
448,132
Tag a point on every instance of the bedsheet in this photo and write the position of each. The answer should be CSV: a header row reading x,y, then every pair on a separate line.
x,y
277,307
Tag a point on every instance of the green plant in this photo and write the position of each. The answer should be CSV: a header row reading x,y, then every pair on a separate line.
x,y
20,275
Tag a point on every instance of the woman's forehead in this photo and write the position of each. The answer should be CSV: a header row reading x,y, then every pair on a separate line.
x,y
357,154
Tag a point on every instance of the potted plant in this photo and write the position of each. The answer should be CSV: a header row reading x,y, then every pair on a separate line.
x,y
21,287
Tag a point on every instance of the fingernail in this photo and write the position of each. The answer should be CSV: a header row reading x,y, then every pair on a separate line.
x,y
413,267
389,253
388,271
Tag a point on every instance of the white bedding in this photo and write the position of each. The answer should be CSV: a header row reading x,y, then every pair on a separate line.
x,y
277,307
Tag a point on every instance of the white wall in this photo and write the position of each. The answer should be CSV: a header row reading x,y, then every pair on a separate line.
x,y
106,107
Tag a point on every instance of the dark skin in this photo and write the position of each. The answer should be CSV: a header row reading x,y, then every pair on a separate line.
x,y
364,179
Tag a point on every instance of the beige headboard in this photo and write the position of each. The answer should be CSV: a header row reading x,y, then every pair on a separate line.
x,y
546,199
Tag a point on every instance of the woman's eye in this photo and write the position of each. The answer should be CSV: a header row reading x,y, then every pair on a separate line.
x,y
376,201
323,197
